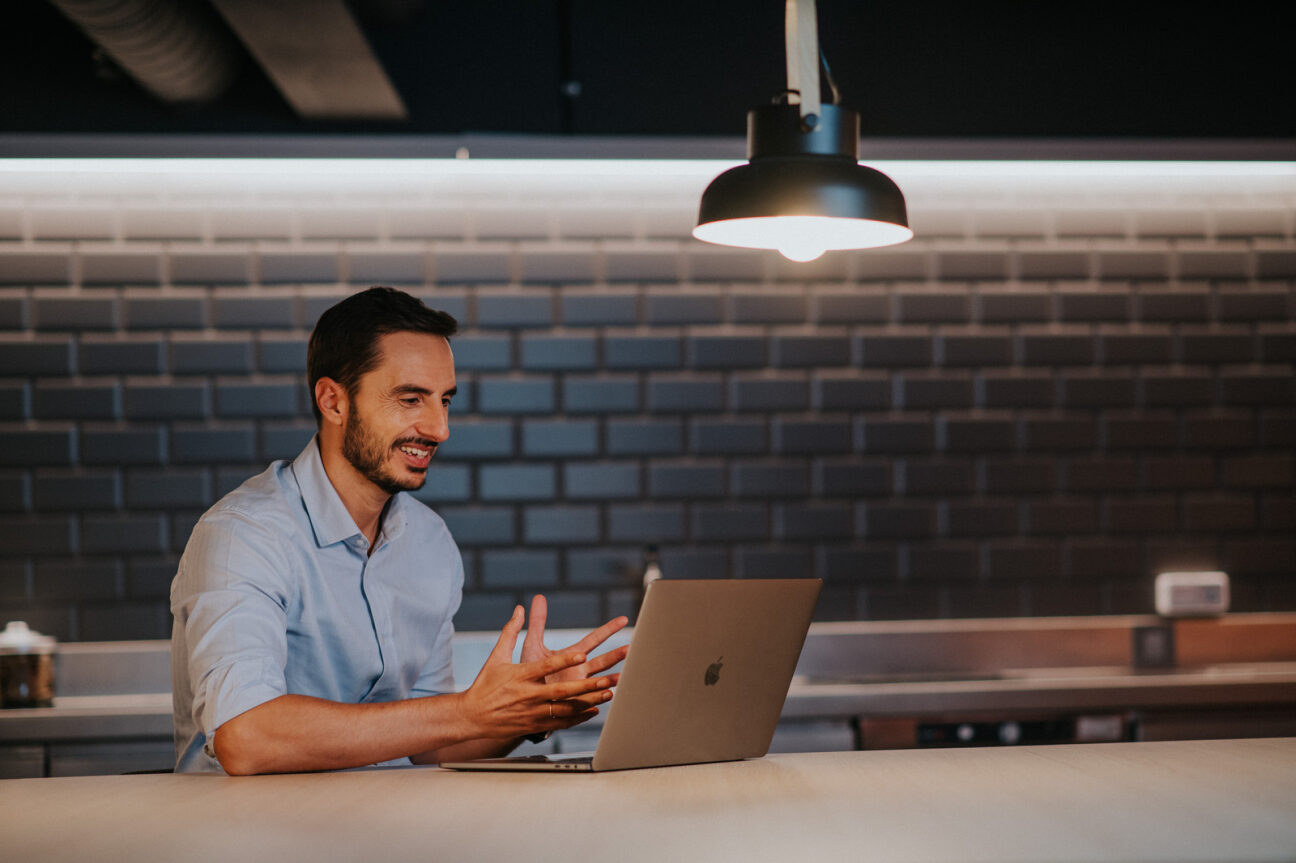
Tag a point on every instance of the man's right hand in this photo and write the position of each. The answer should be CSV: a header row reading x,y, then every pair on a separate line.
x,y
510,700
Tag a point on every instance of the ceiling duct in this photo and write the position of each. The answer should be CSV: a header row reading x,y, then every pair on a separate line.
x,y
178,50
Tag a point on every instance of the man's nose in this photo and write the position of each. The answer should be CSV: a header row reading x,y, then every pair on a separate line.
x,y
434,423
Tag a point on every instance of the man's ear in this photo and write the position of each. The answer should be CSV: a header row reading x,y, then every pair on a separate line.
x,y
331,397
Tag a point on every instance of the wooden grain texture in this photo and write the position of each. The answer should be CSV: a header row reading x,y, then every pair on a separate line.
x,y
1180,801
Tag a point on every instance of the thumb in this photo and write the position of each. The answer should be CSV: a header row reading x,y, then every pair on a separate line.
x,y
503,650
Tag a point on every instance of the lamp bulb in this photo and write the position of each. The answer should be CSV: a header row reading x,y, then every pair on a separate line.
x,y
801,250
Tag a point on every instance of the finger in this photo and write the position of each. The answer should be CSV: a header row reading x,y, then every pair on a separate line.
x,y
579,703
602,634
533,645
554,663
575,688
503,650
604,661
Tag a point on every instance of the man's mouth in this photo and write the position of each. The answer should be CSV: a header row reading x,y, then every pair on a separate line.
x,y
417,455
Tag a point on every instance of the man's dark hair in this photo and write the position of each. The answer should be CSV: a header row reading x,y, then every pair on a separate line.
x,y
344,343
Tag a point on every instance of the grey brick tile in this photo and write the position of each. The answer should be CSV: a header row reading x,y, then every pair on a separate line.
x,y
1205,264
856,563
1101,473
982,518
121,354
686,479
22,445
1170,223
102,444
1215,346
243,310
514,310
1053,346
297,267
1054,265
36,355
38,535
516,395
726,350
517,567
1102,557
625,437
548,352
83,399
601,394
1085,388
1024,559
168,489
850,390
1258,471
478,352
1192,305
694,561
228,478
803,350
70,578
1275,264
232,443
849,307
893,347
242,223
281,353
765,392
120,268
935,476
1225,430
1179,471
989,347
480,525
953,560
446,483
1249,222
11,225
562,437
81,223
1219,513
972,265
599,308
55,489
560,524
162,224
1140,429
1264,555
1277,343
238,398
813,521
899,520
812,436
483,611
93,310
15,400
548,265
206,355
1178,386
908,265
769,479
1060,432
601,480
351,223
1020,474
14,309
768,307
1135,345
133,533
641,351
929,307
851,477
478,439
929,223
460,266
407,223
512,222
721,436
733,521
646,523
1062,516
1076,305
149,311
1133,265
34,268
705,264
998,306
1278,428
1018,388
588,222
192,267
517,482
978,432
1266,385
924,389
164,399
673,306
385,268
1179,553
895,433
763,561
1141,515
1092,223
284,439
686,393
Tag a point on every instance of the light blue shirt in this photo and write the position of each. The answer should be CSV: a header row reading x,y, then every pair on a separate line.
x,y
276,593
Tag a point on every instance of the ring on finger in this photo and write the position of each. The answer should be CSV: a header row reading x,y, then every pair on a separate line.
x,y
551,713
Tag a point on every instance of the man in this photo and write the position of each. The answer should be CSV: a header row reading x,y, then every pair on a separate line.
x,y
313,605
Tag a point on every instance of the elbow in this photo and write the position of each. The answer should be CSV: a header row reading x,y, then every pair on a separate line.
x,y
235,750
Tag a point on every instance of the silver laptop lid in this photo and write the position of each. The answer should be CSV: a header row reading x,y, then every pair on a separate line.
x,y
709,668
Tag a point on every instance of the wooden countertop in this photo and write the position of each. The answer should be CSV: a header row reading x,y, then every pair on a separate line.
x,y
1181,801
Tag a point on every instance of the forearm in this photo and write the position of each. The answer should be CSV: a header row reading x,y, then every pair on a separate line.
x,y
468,750
295,733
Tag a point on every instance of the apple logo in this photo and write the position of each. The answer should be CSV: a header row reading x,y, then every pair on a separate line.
x,y
713,672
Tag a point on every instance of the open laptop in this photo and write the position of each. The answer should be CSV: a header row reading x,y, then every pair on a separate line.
x,y
709,667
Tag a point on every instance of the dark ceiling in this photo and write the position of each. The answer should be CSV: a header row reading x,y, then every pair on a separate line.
x,y
965,70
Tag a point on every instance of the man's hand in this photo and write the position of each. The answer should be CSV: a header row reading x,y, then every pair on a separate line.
x,y
545,694
533,647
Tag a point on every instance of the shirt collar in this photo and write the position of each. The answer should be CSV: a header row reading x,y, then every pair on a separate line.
x,y
328,515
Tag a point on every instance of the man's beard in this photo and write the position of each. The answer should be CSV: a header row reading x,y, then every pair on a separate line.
x,y
366,454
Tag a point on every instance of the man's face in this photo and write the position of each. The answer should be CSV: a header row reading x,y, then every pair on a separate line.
x,y
400,411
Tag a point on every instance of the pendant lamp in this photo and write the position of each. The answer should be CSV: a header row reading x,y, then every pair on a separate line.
x,y
803,191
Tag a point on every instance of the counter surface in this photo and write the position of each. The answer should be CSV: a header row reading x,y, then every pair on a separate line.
x,y
1180,801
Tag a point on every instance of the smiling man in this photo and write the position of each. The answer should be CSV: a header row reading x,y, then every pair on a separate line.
x,y
313,604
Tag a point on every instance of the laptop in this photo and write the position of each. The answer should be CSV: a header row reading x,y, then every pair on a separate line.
x,y
709,667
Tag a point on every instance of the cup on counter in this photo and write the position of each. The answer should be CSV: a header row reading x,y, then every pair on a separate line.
x,y
26,667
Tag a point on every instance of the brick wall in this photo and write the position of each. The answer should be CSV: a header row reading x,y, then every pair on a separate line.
x,y
1070,380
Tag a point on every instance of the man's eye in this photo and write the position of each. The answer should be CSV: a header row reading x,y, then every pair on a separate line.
x,y
410,400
